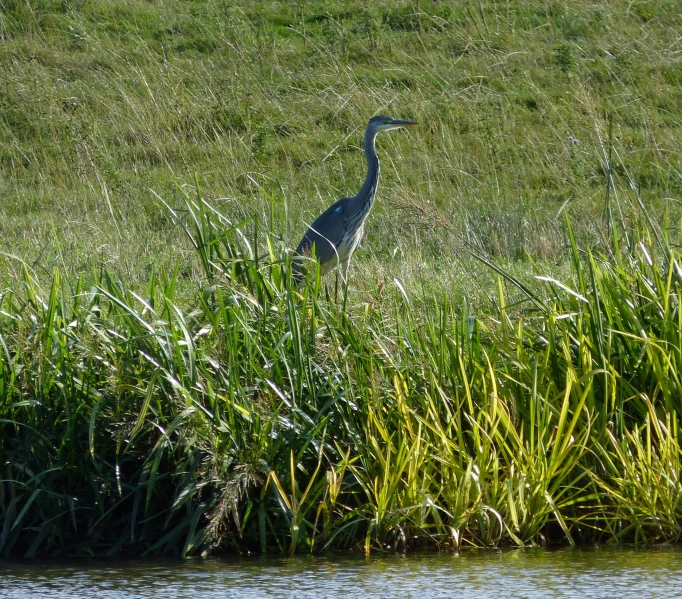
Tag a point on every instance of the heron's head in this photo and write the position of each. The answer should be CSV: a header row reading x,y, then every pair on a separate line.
x,y
386,123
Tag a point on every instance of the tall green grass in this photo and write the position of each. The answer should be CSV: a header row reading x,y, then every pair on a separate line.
x,y
264,418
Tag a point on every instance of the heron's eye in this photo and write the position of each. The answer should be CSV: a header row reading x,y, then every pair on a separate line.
x,y
384,122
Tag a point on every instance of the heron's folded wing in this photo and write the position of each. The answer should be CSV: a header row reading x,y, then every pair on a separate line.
x,y
326,232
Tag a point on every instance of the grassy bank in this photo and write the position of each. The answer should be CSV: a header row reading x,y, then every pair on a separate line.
x,y
504,366
263,419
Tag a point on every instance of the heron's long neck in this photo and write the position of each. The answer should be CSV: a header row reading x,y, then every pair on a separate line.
x,y
369,188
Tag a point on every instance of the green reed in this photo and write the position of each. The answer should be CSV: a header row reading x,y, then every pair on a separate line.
x,y
262,417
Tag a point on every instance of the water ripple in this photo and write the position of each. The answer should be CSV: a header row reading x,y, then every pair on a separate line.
x,y
518,574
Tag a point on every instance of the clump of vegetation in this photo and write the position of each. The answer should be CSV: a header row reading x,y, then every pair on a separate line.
x,y
270,419
565,58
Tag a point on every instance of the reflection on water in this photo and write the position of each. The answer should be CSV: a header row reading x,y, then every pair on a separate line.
x,y
582,574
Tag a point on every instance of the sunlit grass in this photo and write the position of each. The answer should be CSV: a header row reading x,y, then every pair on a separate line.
x,y
267,418
106,103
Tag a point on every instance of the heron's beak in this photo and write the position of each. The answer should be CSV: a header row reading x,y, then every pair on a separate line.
x,y
398,123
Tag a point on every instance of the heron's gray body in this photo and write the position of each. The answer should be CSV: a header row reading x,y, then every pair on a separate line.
x,y
337,232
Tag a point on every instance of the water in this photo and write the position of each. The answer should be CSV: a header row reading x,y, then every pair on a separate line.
x,y
528,574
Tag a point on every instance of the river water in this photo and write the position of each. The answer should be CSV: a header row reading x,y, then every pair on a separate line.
x,y
527,573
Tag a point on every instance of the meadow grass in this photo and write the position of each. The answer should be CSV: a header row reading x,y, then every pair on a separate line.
x,y
105,104
503,368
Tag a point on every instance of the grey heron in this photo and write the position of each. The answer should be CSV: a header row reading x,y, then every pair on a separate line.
x,y
335,234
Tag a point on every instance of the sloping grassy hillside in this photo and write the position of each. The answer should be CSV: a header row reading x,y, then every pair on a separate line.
x,y
106,103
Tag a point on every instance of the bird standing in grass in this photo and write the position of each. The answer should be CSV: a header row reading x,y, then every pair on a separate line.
x,y
334,235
